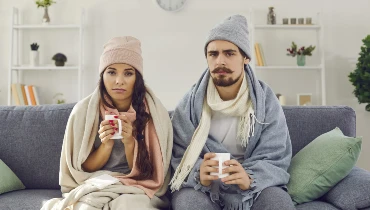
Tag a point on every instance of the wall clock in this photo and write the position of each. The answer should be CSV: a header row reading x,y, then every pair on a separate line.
x,y
171,5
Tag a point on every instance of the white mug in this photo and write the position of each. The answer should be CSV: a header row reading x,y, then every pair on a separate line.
x,y
221,157
117,135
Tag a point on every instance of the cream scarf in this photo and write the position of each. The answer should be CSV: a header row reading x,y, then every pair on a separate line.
x,y
241,107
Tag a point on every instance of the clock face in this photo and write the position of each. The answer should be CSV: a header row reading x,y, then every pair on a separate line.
x,y
171,5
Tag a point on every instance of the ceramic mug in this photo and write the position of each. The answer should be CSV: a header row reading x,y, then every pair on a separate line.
x,y
118,134
221,157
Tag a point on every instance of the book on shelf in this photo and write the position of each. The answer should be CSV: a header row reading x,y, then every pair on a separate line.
x,y
25,94
28,95
260,58
35,93
15,95
32,96
262,55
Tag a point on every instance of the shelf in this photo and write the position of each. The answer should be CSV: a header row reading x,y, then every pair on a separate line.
x,y
288,67
71,26
312,27
24,68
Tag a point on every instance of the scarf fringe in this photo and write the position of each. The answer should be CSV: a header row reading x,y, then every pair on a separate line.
x,y
179,175
246,128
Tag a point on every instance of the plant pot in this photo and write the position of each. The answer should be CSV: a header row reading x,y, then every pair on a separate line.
x,y
59,63
301,60
34,58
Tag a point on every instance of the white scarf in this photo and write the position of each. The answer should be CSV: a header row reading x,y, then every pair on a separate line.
x,y
241,107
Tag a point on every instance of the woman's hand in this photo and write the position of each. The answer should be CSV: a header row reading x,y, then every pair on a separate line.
x,y
127,139
106,132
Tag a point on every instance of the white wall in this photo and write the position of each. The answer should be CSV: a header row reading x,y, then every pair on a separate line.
x,y
173,43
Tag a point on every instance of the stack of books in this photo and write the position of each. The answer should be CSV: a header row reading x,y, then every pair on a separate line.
x,y
25,95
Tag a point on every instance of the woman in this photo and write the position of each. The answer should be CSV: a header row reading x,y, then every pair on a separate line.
x,y
139,160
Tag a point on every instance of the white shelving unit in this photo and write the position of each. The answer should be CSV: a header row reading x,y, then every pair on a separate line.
x,y
320,68
15,64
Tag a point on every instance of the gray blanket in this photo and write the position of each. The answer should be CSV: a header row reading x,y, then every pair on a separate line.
x,y
267,156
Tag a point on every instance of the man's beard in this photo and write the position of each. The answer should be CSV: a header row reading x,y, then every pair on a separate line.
x,y
221,80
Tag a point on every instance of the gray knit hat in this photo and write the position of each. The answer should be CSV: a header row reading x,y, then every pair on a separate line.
x,y
233,29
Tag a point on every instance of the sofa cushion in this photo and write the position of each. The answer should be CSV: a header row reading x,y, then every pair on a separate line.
x,y
31,140
321,165
8,180
27,199
306,123
353,192
316,205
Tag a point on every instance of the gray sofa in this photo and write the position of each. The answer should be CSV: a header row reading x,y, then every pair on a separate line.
x,y
31,140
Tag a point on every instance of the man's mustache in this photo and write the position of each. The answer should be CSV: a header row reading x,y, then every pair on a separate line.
x,y
221,69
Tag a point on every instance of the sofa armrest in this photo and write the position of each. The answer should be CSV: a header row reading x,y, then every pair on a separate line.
x,y
352,192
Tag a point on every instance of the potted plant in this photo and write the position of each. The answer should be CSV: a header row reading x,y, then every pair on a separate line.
x,y
60,59
34,54
58,98
301,53
45,4
360,77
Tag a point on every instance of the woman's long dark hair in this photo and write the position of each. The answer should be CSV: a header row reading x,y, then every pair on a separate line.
x,y
143,161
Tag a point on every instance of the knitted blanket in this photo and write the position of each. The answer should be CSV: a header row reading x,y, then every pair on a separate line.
x,y
81,130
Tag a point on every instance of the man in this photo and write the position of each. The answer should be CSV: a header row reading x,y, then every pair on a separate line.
x,y
229,111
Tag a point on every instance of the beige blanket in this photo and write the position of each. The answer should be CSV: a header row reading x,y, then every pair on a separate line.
x,y
80,134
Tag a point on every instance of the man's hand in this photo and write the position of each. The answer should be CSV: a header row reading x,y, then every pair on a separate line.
x,y
237,175
206,168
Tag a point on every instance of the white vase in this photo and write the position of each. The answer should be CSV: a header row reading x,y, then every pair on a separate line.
x,y
34,58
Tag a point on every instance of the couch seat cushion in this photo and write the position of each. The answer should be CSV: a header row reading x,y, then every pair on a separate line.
x,y
27,199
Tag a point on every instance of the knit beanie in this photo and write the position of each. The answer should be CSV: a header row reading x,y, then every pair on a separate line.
x,y
125,49
233,29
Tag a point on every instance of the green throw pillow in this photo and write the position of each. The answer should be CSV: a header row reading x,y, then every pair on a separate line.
x,y
322,164
8,180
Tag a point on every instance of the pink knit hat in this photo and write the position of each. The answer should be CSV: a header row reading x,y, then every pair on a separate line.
x,y
125,49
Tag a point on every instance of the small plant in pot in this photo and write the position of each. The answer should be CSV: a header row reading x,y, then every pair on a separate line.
x,y
45,4
34,54
301,53
60,59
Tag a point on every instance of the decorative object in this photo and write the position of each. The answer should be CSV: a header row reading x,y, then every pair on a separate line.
x,y
293,21
301,21
301,53
34,54
60,59
308,21
58,98
271,16
285,21
304,99
45,4
171,5
9,181
360,77
281,99
321,164
301,60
